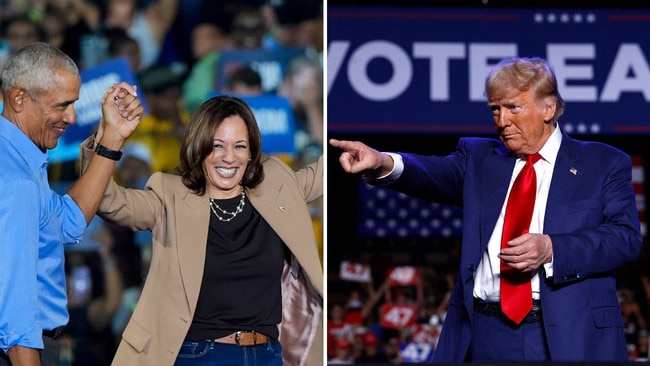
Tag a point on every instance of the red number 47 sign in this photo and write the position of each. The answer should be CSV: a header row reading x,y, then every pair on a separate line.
x,y
395,316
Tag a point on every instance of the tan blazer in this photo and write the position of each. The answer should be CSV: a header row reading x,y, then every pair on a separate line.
x,y
179,222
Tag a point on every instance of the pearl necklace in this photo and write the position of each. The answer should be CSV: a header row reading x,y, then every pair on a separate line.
x,y
215,207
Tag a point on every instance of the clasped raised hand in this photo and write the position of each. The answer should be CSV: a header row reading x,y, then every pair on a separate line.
x,y
121,114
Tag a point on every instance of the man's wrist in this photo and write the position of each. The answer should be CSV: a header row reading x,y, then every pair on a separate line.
x,y
102,150
387,177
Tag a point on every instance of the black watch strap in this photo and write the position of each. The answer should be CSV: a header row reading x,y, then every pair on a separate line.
x,y
102,150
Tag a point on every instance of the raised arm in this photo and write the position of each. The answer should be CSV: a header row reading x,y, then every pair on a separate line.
x,y
121,113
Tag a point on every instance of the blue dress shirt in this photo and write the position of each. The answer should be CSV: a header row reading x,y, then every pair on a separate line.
x,y
34,223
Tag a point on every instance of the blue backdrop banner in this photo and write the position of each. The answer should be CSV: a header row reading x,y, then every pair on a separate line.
x,y
405,70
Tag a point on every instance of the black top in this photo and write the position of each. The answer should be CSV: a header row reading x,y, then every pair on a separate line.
x,y
241,281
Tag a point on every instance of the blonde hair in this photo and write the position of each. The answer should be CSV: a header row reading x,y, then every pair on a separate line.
x,y
524,74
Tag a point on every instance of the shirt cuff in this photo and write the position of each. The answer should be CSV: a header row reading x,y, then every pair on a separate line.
x,y
398,168
548,268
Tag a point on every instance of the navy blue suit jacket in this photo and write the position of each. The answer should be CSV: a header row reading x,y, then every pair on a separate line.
x,y
591,217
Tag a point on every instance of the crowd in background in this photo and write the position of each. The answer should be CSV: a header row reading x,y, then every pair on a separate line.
x,y
173,48
361,328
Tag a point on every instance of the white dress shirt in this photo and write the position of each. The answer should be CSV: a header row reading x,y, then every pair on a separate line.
x,y
487,276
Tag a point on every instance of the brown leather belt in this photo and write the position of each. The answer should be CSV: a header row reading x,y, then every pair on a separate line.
x,y
243,338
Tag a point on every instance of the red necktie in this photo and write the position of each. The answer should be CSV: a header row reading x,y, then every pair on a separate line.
x,y
516,294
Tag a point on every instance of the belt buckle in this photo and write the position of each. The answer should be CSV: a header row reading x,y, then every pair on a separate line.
x,y
239,333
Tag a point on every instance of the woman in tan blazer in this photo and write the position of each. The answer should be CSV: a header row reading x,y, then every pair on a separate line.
x,y
235,272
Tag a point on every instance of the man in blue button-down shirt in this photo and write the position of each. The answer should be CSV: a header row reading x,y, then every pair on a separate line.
x,y
39,87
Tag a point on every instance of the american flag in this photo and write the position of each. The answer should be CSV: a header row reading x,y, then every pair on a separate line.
x,y
385,213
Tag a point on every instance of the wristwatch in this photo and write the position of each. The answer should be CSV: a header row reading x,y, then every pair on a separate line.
x,y
102,150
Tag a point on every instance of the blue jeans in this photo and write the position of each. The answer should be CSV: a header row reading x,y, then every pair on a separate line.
x,y
210,353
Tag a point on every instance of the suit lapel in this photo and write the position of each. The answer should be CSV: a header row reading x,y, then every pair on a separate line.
x,y
192,218
566,178
496,170
278,207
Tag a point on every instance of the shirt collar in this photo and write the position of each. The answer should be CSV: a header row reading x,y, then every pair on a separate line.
x,y
25,147
552,146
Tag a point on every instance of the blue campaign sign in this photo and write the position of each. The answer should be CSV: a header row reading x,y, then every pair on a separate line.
x,y
274,117
94,82
271,65
406,70
414,352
